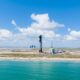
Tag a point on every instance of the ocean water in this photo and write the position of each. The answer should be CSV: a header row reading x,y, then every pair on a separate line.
x,y
39,70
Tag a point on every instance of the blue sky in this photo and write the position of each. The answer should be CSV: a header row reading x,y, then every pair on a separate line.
x,y
65,12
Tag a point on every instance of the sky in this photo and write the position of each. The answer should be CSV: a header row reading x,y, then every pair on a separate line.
x,y
22,21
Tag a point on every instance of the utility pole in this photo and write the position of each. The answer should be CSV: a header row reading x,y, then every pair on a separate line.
x,y
40,41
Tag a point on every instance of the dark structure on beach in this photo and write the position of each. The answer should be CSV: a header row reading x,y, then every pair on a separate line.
x,y
40,41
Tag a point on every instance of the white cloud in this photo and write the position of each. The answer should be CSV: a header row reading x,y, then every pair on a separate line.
x,y
4,34
13,22
73,35
41,25
43,22
69,29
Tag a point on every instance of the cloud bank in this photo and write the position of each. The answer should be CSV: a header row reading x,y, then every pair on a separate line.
x,y
41,25
5,34
73,35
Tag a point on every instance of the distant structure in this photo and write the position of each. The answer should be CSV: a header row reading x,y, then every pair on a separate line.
x,y
40,41
53,51
32,46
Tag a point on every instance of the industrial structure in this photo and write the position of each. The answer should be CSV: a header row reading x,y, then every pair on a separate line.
x,y
40,41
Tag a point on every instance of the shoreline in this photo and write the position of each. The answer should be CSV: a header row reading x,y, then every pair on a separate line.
x,y
38,59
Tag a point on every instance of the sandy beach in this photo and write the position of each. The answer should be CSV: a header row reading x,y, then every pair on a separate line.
x,y
39,59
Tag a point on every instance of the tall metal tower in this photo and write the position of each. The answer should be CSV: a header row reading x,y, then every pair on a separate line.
x,y
40,41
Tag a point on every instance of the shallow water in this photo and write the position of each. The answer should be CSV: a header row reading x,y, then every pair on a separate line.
x,y
39,70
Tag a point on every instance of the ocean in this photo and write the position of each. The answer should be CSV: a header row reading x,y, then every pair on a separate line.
x,y
39,70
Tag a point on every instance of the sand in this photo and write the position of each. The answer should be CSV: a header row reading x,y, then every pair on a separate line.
x,y
38,59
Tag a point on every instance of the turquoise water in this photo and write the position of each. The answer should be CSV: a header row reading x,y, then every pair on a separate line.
x,y
37,70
